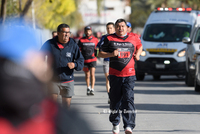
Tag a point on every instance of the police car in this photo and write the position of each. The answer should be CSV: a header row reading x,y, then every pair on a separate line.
x,y
163,49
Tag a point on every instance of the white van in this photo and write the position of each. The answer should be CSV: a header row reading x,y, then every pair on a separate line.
x,y
163,49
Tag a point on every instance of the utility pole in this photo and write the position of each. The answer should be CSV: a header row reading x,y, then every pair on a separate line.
x,y
33,14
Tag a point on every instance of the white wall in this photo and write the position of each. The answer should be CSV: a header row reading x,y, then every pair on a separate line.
x,y
88,9
43,35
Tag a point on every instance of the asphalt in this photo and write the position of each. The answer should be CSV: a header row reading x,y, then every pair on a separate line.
x,y
93,109
164,106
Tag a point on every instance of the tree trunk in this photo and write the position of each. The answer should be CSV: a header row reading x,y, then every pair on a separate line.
x,y
20,5
99,7
25,10
3,11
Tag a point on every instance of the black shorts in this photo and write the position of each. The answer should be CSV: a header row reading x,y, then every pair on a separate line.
x,y
91,64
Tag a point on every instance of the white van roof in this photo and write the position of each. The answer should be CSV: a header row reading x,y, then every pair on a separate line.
x,y
198,20
174,15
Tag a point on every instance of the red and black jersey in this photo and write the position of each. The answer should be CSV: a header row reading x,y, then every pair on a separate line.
x,y
42,123
50,119
87,47
123,64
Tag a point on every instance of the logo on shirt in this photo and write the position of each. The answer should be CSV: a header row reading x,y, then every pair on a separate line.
x,y
122,44
68,54
131,69
124,53
88,44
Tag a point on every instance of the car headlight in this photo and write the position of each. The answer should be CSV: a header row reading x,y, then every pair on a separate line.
x,y
143,53
181,53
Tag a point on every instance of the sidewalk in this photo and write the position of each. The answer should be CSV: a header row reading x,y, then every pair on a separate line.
x,y
94,109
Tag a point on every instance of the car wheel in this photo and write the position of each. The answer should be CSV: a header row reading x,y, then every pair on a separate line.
x,y
196,86
156,77
189,80
140,77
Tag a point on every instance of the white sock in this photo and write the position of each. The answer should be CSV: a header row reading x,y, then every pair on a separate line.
x,y
92,89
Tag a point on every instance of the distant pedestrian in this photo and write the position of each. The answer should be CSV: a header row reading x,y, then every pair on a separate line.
x,y
54,34
98,35
87,46
123,49
67,57
129,28
79,35
110,27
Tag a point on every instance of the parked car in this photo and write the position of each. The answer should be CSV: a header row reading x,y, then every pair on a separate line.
x,y
193,45
197,73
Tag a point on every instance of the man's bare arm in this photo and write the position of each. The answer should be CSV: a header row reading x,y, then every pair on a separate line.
x,y
107,55
138,52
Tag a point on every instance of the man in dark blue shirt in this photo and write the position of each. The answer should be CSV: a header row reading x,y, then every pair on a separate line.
x,y
66,57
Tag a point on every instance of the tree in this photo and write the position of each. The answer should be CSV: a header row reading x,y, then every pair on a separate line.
x,y
141,9
75,18
25,10
3,11
51,14
9,8
163,3
139,13
99,7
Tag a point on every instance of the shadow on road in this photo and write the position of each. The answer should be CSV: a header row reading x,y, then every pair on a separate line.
x,y
167,131
169,107
165,92
163,107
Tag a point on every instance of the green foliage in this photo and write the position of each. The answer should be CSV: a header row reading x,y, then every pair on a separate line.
x,y
166,3
139,13
74,20
51,14
12,9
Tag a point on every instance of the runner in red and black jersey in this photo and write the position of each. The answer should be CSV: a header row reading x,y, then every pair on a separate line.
x,y
87,46
123,49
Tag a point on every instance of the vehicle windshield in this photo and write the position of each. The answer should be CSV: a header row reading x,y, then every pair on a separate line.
x,y
166,32
197,38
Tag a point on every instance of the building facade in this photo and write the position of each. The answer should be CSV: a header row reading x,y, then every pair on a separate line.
x,y
110,11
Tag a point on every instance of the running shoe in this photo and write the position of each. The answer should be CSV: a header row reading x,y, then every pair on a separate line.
x,y
128,130
115,129
91,92
88,91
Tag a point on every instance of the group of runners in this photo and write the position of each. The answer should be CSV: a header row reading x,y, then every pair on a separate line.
x,y
119,48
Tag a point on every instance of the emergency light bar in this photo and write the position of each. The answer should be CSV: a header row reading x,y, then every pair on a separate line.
x,y
173,9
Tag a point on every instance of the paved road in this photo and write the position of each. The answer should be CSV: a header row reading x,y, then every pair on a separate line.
x,y
164,106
